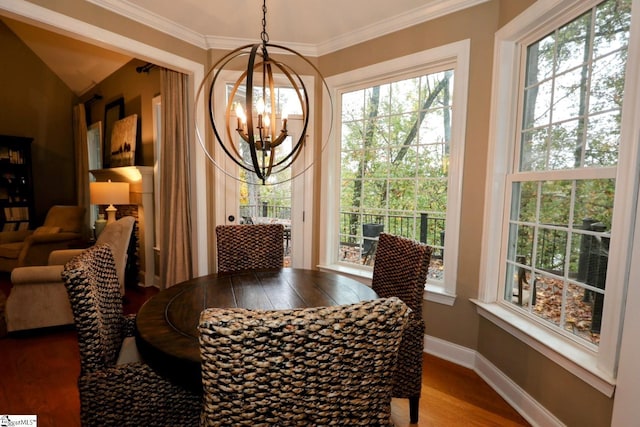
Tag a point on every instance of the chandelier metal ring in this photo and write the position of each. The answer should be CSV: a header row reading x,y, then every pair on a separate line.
x,y
253,143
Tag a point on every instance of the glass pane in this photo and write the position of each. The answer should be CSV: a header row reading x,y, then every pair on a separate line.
x,y
432,160
349,188
603,139
435,126
524,244
374,168
534,151
551,250
566,145
594,202
537,105
578,255
572,43
404,162
569,95
374,193
548,302
612,22
404,91
525,198
607,80
555,202
432,195
352,134
511,282
350,164
353,106
540,60
402,194
583,314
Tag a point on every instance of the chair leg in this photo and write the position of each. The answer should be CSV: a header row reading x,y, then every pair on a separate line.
x,y
414,405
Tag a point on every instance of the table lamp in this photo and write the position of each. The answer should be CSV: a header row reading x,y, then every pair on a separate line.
x,y
108,193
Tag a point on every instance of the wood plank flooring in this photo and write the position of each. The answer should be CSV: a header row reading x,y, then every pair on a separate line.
x,y
38,373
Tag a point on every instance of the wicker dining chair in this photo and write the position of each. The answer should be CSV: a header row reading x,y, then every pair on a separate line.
x,y
116,388
400,270
311,366
249,247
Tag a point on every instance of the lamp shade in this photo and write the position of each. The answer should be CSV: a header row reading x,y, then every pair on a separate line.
x,y
109,193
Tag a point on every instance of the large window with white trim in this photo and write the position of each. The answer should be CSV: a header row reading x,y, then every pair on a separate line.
x,y
400,138
569,177
563,182
395,140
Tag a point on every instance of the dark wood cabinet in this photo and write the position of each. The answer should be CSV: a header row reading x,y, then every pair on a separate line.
x,y
16,183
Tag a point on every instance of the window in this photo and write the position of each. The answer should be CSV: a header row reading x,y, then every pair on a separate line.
x,y
395,152
567,182
399,150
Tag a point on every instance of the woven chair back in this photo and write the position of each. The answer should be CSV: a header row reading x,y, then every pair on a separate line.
x,y
94,293
249,247
400,270
313,366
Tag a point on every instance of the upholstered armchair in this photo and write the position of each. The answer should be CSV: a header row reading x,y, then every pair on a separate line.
x,y
38,298
62,226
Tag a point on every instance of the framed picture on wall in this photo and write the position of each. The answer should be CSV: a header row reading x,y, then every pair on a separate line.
x,y
113,112
123,141
94,145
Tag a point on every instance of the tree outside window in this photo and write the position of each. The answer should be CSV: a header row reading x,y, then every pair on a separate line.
x,y
563,183
395,148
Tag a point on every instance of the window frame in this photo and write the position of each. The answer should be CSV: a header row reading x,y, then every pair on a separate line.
x,y
595,366
453,56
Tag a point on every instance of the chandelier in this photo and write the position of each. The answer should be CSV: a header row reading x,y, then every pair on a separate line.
x,y
255,128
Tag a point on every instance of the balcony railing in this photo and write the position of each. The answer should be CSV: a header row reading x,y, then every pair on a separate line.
x,y
357,229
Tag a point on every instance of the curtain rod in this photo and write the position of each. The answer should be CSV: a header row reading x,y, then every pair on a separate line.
x,y
94,98
145,68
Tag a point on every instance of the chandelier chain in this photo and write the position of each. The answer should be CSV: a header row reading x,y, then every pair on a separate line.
x,y
264,35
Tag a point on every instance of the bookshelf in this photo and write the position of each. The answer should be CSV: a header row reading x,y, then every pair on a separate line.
x,y
16,184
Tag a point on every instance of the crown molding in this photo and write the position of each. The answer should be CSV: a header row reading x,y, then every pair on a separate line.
x,y
408,19
153,20
430,11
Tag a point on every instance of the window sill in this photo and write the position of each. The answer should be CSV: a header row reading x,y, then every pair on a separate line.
x,y
580,361
432,293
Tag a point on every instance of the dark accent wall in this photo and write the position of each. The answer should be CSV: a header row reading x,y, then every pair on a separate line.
x,y
35,103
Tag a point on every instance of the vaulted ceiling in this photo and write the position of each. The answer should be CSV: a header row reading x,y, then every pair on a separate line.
x,y
311,27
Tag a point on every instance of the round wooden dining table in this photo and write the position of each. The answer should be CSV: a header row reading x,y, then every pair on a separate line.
x,y
167,324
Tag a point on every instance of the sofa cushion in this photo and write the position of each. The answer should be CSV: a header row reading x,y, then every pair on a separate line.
x,y
69,218
46,230
11,250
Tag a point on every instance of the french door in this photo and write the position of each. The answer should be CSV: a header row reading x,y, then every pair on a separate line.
x,y
288,202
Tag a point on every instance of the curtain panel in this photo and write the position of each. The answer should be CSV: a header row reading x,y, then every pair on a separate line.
x,y
175,220
82,164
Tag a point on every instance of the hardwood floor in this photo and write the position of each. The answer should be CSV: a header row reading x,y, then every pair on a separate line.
x,y
39,369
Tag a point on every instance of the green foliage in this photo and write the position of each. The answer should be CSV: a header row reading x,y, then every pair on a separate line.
x,y
395,149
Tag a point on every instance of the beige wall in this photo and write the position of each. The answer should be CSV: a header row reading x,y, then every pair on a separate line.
x,y
37,104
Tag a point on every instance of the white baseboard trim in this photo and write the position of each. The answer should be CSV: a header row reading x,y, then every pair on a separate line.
x,y
520,400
